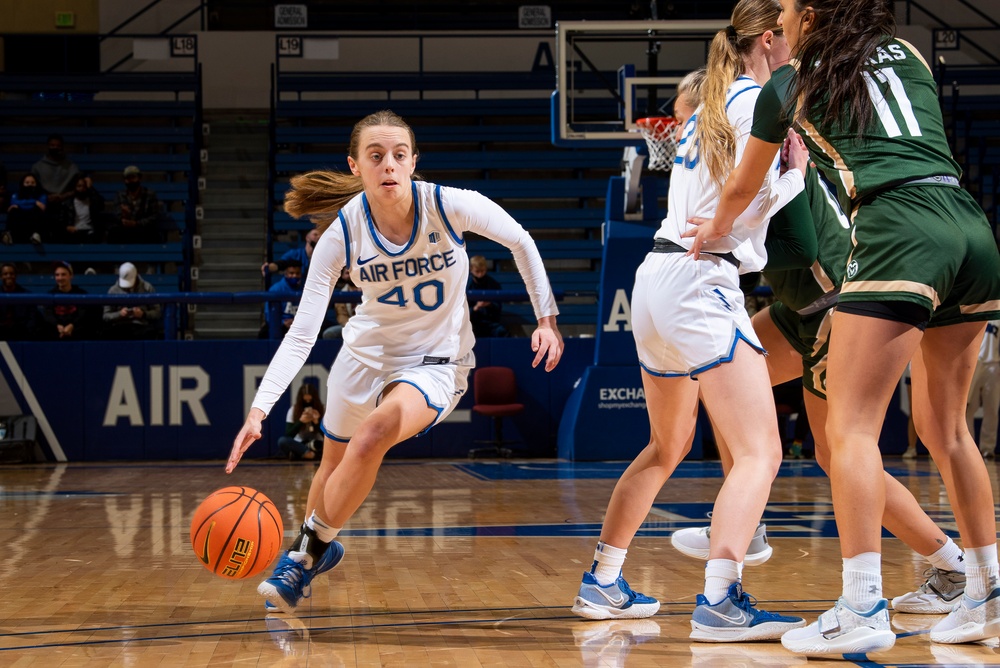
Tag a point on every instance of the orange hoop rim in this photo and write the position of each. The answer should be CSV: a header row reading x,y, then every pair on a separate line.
x,y
649,122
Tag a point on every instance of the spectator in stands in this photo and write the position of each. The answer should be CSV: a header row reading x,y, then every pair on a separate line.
x,y
26,213
485,315
80,215
17,321
303,438
302,255
133,323
65,322
344,309
291,285
137,212
55,172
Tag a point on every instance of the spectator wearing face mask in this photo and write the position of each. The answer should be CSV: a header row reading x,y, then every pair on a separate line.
x,y
137,211
55,172
26,213
291,285
301,255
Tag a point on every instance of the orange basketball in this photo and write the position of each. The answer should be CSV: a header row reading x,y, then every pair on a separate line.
x,y
236,532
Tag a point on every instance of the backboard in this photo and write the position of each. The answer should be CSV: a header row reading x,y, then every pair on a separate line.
x,y
610,73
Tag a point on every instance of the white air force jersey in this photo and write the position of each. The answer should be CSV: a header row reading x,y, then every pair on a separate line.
x,y
693,194
989,349
413,301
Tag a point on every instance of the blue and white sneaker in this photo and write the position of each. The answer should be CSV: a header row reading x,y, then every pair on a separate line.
x,y
290,582
613,601
844,630
736,619
970,621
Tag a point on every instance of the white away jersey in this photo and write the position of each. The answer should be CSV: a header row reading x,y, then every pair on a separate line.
x,y
693,194
413,301
989,349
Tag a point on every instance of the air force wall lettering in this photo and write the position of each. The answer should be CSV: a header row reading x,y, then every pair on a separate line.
x,y
252,373
187,385
620,318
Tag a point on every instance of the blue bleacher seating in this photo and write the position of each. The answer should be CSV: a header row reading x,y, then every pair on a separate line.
x,y
83,253
550,249
98,135
531,219
108,162
547,189
288,163
426,134
96,283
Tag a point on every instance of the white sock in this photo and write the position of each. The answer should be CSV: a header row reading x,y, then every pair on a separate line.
x,y
324,531
720,574
948,557
608,561
981,571
863,580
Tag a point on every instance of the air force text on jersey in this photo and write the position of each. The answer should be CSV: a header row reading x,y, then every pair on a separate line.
x,y
393,271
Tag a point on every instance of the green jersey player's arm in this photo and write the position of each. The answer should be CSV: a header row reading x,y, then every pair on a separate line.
x,y
791,241
745,180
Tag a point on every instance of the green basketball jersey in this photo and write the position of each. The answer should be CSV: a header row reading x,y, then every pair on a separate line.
x,y
904,141
798,288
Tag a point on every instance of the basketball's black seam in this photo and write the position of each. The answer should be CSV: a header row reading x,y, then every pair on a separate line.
x,y
194,534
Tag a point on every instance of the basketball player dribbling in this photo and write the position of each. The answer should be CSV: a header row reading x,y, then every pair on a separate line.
x,y
407,351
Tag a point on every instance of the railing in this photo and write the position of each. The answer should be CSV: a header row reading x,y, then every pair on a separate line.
x,y
172,301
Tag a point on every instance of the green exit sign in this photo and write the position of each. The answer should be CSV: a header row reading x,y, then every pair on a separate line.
x,y
65,19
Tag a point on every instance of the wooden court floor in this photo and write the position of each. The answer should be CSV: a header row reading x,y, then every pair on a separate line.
x,y
447,564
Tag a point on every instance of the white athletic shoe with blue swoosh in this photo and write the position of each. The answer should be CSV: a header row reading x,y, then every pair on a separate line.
x,y
613,601
736,619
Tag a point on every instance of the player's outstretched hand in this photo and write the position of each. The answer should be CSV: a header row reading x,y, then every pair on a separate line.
x,y
248,434
547,343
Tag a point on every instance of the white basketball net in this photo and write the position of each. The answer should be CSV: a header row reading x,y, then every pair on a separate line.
x,y
660,140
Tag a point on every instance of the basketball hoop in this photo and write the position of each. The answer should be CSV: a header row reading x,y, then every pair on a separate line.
x,y
659,133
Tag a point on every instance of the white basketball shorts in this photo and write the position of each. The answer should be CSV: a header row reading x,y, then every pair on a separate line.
x,y
354,390
688,315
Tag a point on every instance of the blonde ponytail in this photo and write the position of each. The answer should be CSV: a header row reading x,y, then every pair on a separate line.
x,y
726,62
320,195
